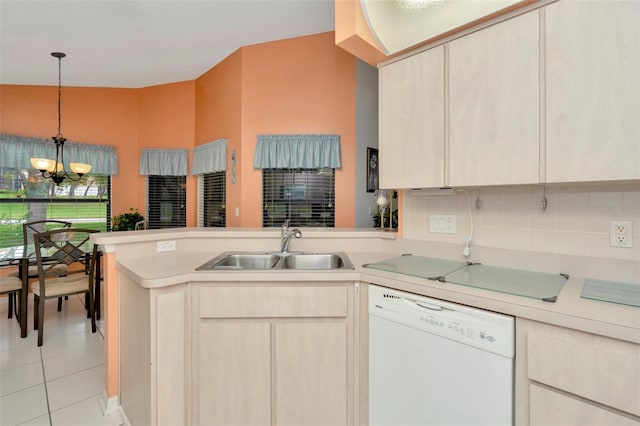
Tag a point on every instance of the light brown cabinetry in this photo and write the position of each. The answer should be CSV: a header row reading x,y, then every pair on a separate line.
x,y
491,111
274,354
494,77
592,87
549,96
155,351
411,125
569,377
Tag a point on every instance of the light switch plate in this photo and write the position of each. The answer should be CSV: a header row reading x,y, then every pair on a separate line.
x,y
169,245
442,223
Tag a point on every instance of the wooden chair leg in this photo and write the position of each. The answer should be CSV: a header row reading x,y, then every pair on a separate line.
x,y
11,297
17,309
96,299
86,304
40,321
36,302
92,312
59,304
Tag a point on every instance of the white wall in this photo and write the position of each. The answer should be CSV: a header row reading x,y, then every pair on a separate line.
x,y
576,221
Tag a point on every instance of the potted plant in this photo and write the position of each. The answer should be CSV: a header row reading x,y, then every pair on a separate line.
x,y
126,221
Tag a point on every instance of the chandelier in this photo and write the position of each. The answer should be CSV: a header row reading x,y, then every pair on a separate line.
x,y
55,169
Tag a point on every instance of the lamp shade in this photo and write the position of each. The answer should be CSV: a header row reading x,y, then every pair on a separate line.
x,y
44,164
80,168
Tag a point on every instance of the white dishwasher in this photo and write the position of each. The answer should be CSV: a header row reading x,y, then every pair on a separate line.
x,y
437,363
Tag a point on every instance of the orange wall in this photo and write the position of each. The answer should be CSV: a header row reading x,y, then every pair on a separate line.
x,y
166,119
218,115
102,116
300,85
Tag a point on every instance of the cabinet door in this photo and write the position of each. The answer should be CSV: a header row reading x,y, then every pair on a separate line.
x,y
592,86
279,354
311,370
411,145
234,373
494,104
554,408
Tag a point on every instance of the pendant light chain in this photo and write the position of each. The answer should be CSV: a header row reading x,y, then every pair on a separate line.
x,y
59,96
56,169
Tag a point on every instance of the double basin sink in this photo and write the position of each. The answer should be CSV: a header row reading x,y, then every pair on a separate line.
x,y
260,261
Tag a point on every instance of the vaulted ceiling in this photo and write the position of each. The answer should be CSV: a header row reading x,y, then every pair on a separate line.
x,y
139,43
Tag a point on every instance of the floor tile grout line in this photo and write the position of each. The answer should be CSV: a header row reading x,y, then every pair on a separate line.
x,y
76,372
42,352
46,391
90,397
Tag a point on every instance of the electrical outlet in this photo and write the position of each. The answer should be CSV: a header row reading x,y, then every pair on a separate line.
x,y
166,246
621,234
442,223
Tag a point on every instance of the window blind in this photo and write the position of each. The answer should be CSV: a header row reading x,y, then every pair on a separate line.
x,y
212,200
166,201
304,196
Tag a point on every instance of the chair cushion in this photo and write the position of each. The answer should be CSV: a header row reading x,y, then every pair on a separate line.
x,y
9,284
55,287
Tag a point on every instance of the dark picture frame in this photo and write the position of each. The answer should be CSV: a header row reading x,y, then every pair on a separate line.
x,y
372,169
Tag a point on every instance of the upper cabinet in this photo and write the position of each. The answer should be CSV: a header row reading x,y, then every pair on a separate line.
x,y
411,145
494,104
592,90
551,95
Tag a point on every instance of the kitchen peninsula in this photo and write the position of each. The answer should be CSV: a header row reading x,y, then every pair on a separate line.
x,y
180,341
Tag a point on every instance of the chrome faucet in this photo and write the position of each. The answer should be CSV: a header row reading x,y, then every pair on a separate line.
x,y
285,228
286,236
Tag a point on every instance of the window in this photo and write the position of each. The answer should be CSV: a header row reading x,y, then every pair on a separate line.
x,y
304,196
26,196
166,201
211,199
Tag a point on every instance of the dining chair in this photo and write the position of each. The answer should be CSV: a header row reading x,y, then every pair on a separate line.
x,y
29,229
68,247
11,286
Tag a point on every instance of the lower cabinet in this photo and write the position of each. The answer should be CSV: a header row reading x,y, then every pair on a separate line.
x,y
273,354
154,353
568,377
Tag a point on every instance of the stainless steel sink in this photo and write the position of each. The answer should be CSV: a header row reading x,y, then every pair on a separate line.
x,y
253,261
320,261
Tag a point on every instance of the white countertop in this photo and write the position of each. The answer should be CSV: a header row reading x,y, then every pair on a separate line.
x,y
570,310
196,246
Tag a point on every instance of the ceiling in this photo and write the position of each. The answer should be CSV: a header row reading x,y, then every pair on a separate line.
x,y
140,43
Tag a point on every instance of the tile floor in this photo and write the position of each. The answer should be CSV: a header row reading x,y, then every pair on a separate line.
x,y
59,383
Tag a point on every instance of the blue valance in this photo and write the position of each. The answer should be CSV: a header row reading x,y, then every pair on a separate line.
x,y
210,157
163,162
297,152
16,153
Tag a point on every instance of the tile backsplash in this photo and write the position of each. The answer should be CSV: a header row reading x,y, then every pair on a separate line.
x,y
576,220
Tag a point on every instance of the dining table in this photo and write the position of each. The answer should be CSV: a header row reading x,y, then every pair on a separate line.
x,y
25,257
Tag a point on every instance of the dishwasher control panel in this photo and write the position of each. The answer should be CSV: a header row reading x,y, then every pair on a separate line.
x,y
472,326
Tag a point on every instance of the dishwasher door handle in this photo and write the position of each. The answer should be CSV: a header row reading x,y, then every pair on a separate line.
x,y
429,306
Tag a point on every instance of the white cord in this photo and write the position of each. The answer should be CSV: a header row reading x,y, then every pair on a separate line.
x,y
467,251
